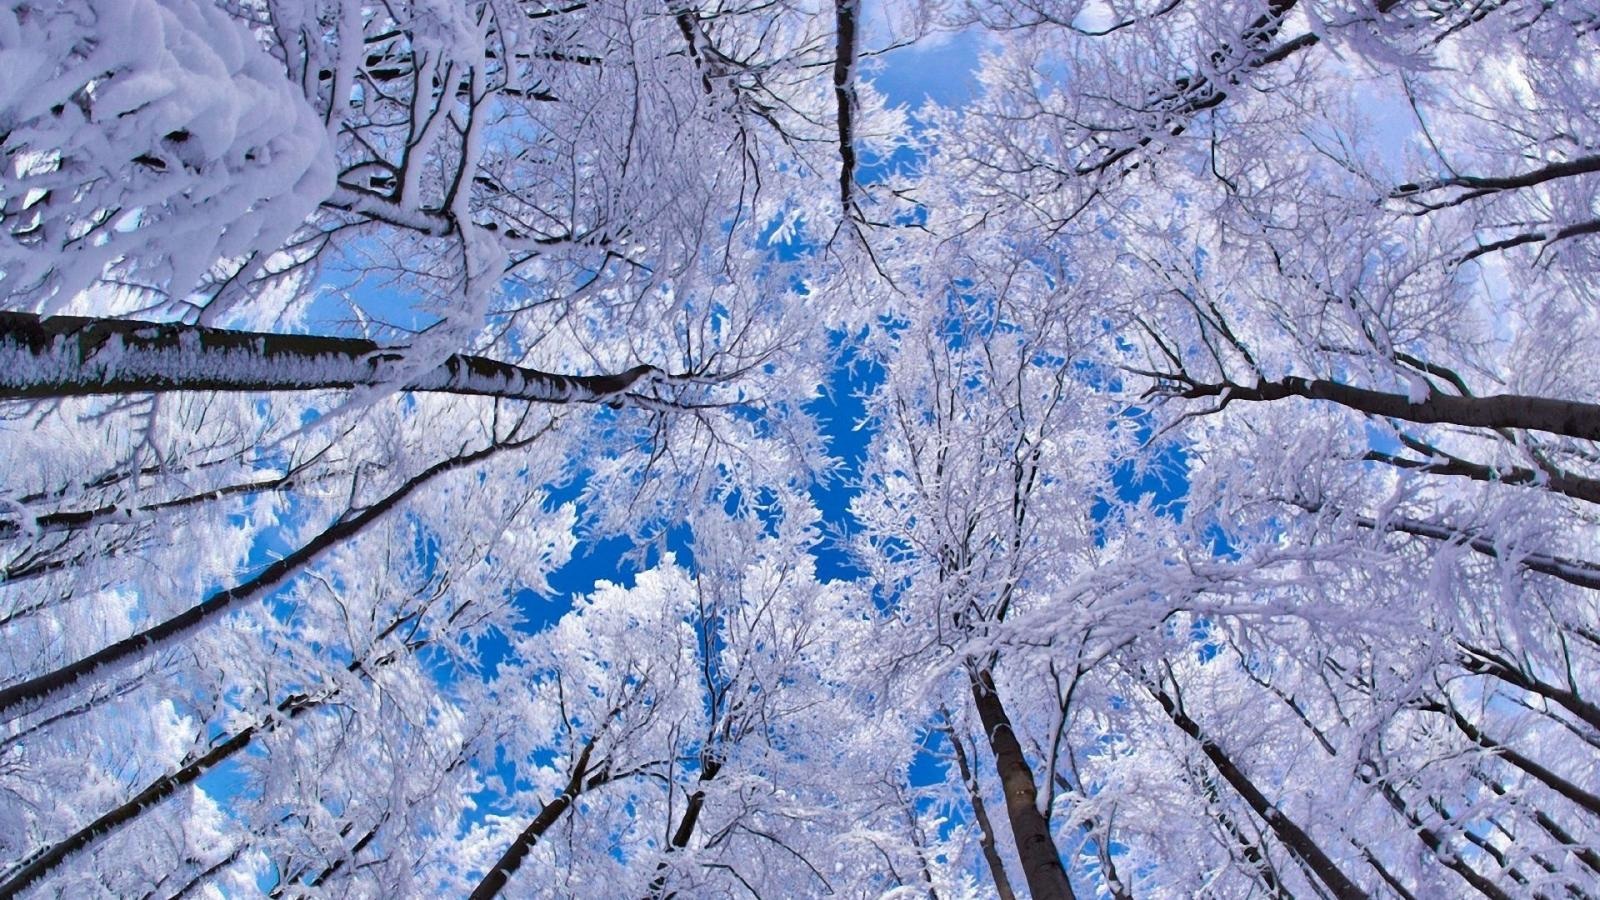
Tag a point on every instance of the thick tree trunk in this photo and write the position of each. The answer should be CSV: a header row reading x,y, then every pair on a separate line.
x,y
1568,417
1041,862
27,695
69,356
1288,833
512,859
844,92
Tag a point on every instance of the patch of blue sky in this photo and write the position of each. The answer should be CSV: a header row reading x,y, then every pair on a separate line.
x,y
841,414
938,69
1159,474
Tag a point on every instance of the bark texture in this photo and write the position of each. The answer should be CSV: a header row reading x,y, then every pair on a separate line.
x,y
1568,417
70,356
1041,862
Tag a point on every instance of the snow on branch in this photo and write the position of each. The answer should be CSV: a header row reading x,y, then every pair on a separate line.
x,y
67,356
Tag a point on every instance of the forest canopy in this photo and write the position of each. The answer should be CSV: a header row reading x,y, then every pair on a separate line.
x,y
765,448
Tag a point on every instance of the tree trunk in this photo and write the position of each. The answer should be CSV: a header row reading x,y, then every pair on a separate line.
x,y
1485,662
1430,838
70,356
686,825
1291,835
512,859
1585,800
1041,862
40,864
1585,854
1573,571
844,92
1568,417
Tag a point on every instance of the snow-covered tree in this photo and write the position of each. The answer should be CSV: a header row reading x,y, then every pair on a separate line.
x,y
1209,489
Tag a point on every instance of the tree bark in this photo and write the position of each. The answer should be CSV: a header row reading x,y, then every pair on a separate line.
x,y
1041,862
512,859
1291,835
70,356
844,92
1568,417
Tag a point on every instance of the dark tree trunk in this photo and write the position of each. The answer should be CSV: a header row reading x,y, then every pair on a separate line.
x,y
844,92
1568,417
686,825
512,859
1041,862
1485,662
69,356
40,864
1430,838
1288,833
1573,571
980,814
1585,800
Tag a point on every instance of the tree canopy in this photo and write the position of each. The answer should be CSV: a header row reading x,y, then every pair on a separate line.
x,y
598,448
